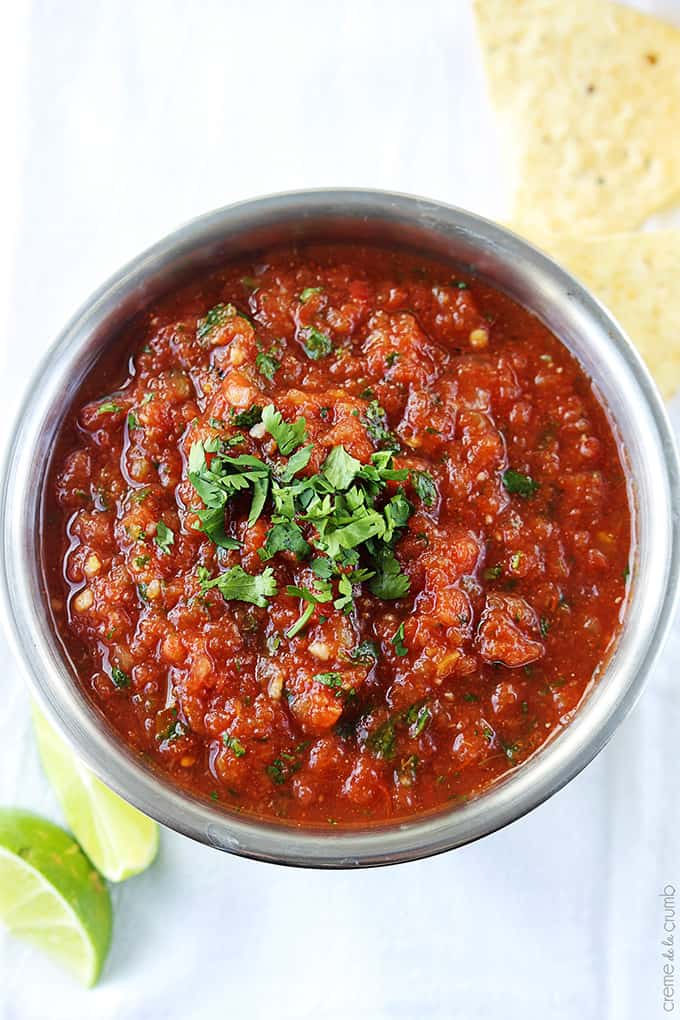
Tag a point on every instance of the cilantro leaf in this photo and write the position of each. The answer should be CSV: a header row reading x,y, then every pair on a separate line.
x,y
285,537
425,487
316,344
382,740
239,586
119,677
365,652
397,513
322,567
397,640
164,537
418,716
389,582
340,468
297,462
267,363
260,490
518,484
287,437
234,745
246,419
212,525
313,598
377,428
109,407
214,320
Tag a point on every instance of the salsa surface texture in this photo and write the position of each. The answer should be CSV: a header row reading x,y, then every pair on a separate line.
x,y
345,540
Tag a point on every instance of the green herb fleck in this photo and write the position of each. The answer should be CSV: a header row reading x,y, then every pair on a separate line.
x,y
383,739
418,716
239,586
267,363
234,745
316,344
377,428
518,484
109,407
398,641
164,537
308,293
425,487
119,677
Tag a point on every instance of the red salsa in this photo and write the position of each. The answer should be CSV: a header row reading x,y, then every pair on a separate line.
x,y
346,539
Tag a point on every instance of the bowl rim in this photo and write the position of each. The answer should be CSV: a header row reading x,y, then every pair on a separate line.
x,y
80,723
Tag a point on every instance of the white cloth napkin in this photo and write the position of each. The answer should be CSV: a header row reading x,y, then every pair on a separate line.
x,y
129,118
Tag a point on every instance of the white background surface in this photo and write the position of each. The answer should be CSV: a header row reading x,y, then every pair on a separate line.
x,y
120,120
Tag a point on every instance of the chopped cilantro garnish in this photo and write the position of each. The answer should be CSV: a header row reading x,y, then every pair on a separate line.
x,y
283,767
212,524
109,407
234,745
239,586
225,476
418,716
491,573
377,428
267,363
365,652
390,582
298,461
425,487
132,421
545,626
119,677
309,292
382,740
515,560
518,484
288,437
391,358
397,640
245,419
285,537
313,598
469,696
214,319
316,344
322,567
164,537
333,680
340,468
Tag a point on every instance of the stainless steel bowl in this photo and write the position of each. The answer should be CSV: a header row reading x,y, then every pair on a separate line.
x,y
606,354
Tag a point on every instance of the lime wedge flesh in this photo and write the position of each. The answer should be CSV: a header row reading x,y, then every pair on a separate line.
x,y
51,895
117,838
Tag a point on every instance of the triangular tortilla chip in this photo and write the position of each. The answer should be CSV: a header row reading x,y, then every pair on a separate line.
x,y
589,92
637,277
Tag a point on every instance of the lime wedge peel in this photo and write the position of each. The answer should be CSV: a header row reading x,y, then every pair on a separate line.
x,y
119,840
51,896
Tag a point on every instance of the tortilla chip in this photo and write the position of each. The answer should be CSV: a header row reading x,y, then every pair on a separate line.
x,y
636,277
589,93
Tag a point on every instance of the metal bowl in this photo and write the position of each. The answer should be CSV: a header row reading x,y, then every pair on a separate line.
x,y
606,354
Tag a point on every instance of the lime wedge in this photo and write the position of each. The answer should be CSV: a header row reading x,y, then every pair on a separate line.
x,y
117,838
51,895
